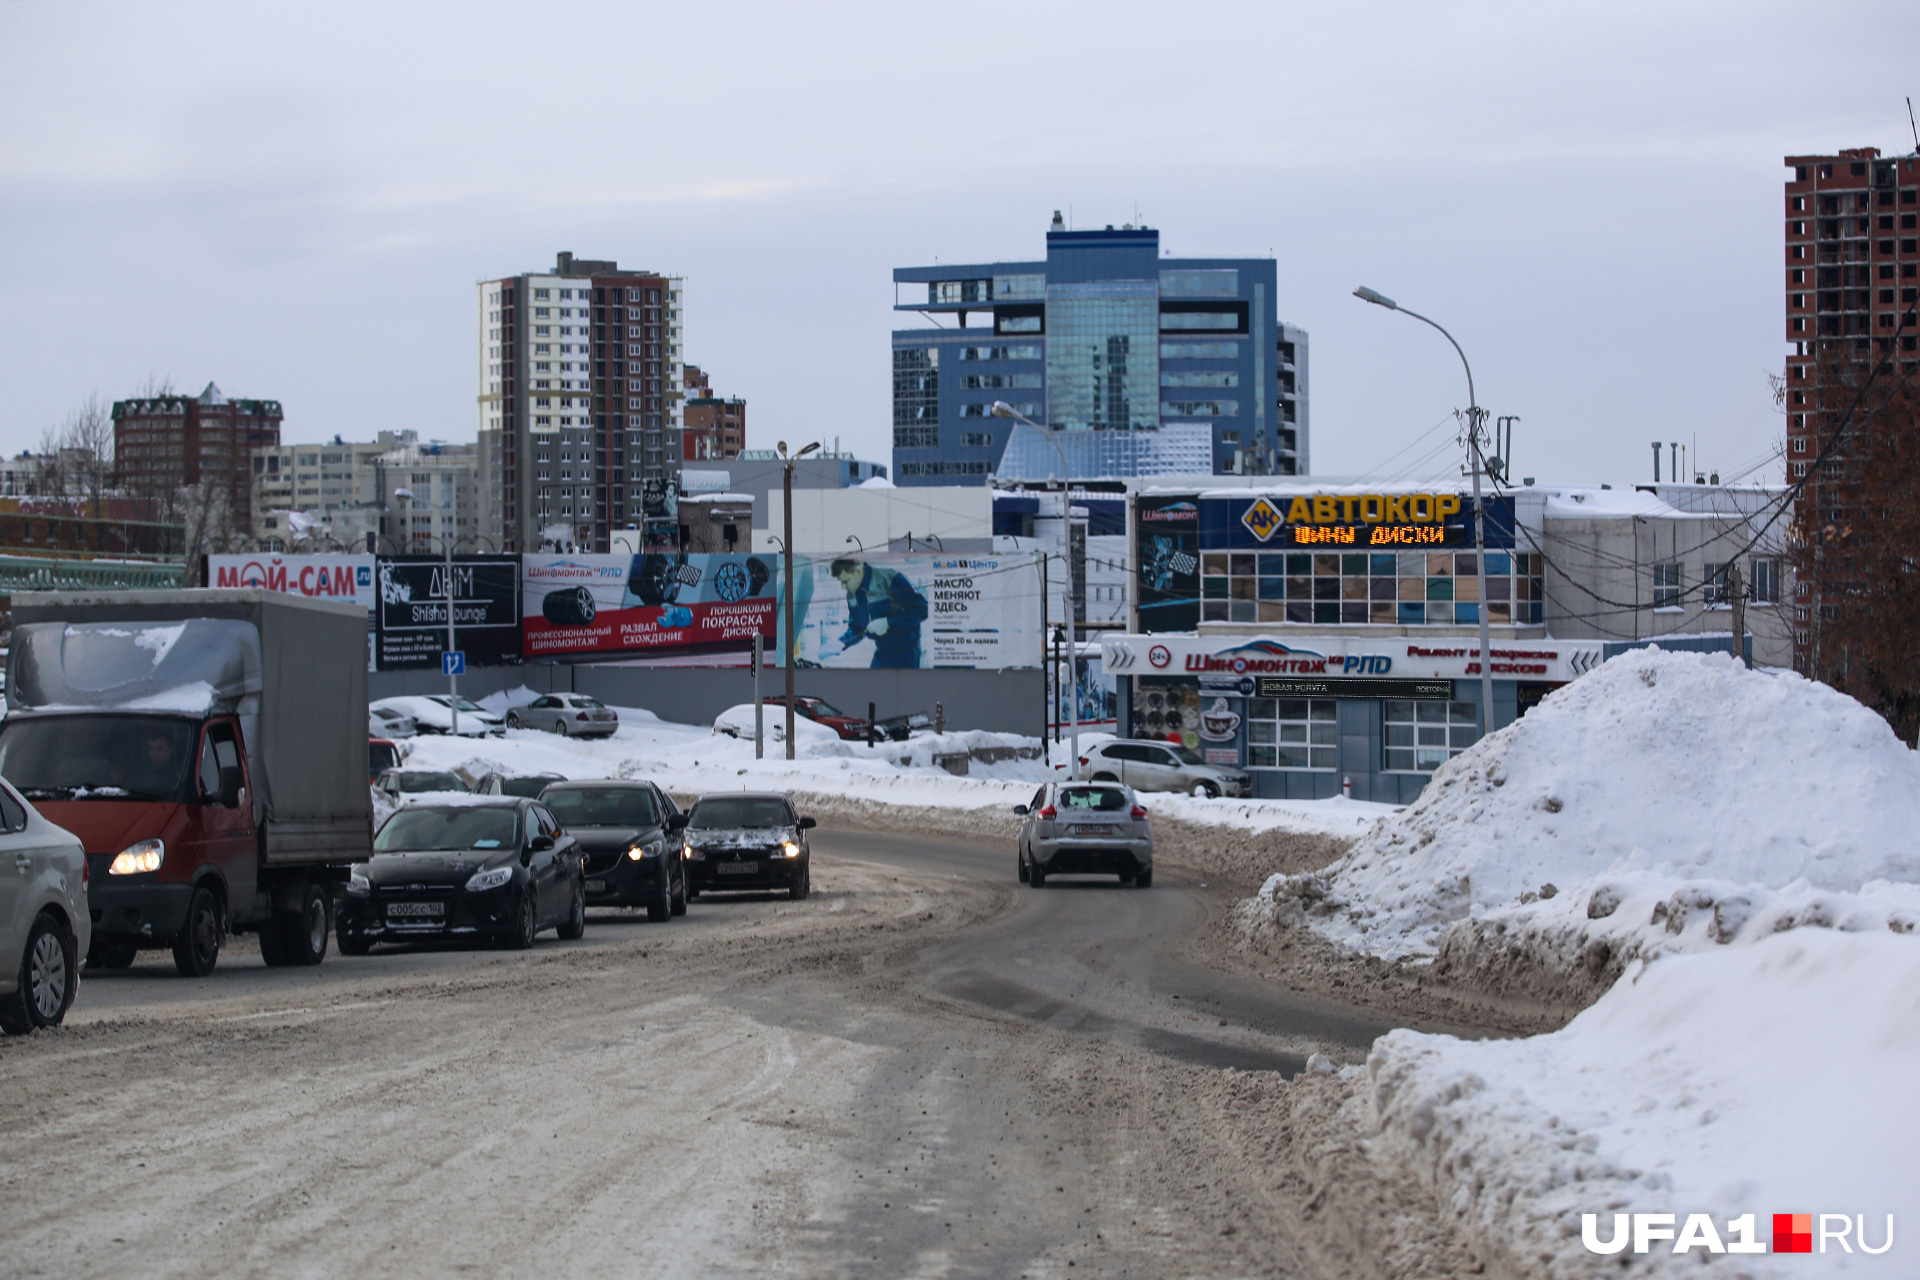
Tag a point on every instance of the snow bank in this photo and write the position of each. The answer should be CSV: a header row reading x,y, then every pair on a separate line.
x,y
1667,801
1773,1078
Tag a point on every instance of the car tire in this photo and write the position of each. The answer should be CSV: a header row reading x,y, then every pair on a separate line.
x,y
693,890
527,928
680,901
513,720
48,979
1205,791
575,925
1021,858
1103,777
800,888
106,957
560,727
353,944
661,906
1143,879
304,933
196,949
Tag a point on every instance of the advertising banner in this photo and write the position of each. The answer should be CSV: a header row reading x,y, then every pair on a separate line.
x,y
1167,551
656,603
342,578
410,614
918,611
1350,522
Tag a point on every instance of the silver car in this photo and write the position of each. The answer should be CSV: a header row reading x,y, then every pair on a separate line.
x,y
567,714
44,924
1147,765
1090,828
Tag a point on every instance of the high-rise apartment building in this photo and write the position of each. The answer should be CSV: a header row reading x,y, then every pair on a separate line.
x,y
579,402
165,443
715,426
1852,272
1136,364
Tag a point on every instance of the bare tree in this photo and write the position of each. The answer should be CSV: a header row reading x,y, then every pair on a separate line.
x,y
205,513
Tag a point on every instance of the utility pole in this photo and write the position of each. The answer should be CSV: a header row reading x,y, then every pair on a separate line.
x,y
453,681
1737,598
1048,671
786,579
759,708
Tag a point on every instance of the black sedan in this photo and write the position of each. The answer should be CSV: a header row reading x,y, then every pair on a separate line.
x,y
747,840
629,836
500,870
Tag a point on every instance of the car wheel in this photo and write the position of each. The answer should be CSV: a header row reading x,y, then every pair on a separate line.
x,y
303,933
800,888
680,900
105,957
1143,879
1104,777
521,939
1206,791
48,979
660,907
513,720
576,922
560,727
197,948
1021,858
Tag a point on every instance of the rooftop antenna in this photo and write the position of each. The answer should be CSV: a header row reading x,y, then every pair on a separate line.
x,y
1911,125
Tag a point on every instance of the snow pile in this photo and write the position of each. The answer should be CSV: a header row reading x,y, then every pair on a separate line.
x,y
1766,1079
1665,802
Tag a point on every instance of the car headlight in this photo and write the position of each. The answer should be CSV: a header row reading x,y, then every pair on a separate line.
x,y
637,852
789,848
493,879
688,851
358,884
141,855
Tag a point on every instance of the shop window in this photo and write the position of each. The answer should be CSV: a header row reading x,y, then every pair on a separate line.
x,y
1292,733
1422,736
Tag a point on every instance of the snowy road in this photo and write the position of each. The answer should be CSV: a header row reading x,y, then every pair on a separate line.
x,y
925,1069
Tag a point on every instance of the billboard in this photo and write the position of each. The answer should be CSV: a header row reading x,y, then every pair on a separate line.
x,y
410,610
663,603
1350,521
341,578
1167,551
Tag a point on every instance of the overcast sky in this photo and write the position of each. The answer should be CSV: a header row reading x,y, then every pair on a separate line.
x,y
295,202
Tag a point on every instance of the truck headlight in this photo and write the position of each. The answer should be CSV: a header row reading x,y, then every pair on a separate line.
x,y
141,855
481,881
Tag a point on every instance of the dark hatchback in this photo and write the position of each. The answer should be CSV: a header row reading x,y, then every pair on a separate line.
x,y
747,840
629,837
498,870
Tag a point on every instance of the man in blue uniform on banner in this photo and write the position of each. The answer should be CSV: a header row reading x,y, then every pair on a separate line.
x,y
882,606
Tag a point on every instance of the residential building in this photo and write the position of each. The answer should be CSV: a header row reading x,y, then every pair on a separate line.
x,y
1852,280
393,494
759,472
579,396
165,443
714,427
1133,363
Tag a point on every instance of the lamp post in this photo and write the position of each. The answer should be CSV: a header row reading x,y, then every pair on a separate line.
x,y
786,589
1001,409
1476,416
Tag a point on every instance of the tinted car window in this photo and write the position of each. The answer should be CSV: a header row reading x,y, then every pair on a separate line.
x,y
380,758
603,806
1186,755
1104,799
13,815
740,811
423,829
527,787
1124,751
411,781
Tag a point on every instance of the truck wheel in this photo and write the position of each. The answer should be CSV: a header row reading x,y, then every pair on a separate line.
x,y
196,949
48,978
303,934
576,922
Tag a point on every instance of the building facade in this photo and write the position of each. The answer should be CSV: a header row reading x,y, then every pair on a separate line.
x,y
391,495
1132,363
713,427
162,444
1852,279
580,393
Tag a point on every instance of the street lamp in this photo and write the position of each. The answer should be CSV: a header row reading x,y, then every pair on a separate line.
x,y
1001,409
1475,418
786,545
854,538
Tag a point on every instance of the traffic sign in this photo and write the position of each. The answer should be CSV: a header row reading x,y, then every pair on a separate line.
x,y
453,662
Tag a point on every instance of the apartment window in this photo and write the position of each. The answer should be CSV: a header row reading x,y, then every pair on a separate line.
x,y
540,294
1763,580
976,439
1018,324
540,313
1292,733
1666,585
1713,587
1207,379
1200,408
1199,350
1422,736
1229,437
1200,320
1799,444
916,437
542,349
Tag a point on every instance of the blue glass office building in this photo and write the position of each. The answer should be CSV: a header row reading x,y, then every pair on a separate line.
x,y
1136,364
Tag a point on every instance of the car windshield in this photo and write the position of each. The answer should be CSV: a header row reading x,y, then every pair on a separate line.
x,y
824,708
1104,799
727,812
116,757
528,787
603,806
411,781
1186,755
422,830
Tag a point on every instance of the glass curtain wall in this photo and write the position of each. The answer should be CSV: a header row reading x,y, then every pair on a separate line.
x,y
1103,356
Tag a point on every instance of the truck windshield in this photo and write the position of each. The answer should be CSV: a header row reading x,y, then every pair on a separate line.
x,y
117,757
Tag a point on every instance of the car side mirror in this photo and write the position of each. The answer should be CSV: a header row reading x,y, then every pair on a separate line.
x,y
539,844
805,824
676,822
1020,809
230,787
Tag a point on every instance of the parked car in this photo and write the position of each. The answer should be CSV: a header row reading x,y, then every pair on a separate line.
x,y
820,711
382,755
571,715
747,840
44,924
1085,828
1147,765
737,722
402,785
433,713
529,785
499,870
387,722
629,834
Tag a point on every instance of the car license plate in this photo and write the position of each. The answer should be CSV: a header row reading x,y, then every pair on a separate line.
x,y
596,886
1089,829
736,868
414,910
